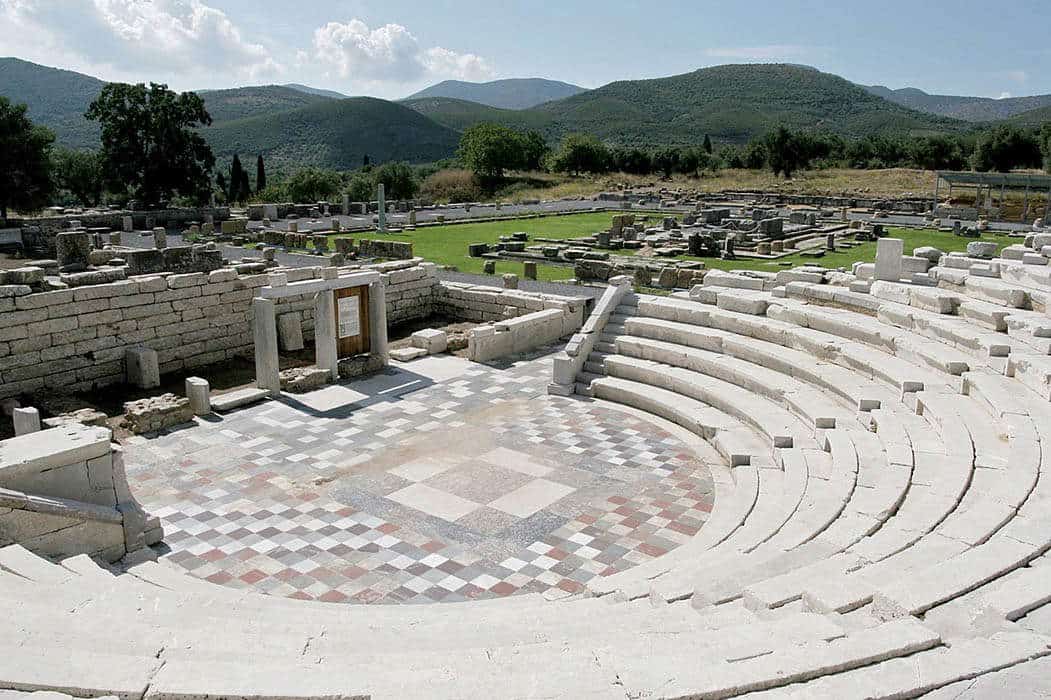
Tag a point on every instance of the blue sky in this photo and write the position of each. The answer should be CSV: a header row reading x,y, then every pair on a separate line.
x,y
391,48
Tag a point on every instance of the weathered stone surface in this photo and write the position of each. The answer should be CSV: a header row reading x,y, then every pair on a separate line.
x,y
432,340
157,413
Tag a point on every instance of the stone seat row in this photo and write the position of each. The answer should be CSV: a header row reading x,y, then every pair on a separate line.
x,y
790,462
163,648
967,514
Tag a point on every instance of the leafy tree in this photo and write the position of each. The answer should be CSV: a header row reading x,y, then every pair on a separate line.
x,y
313,185
581,153
1045,143
783,152
244,191
360,187
534,150
365,162
25,160
667,161
755,155
488,150
236,176
937,153
80,172
1007,147
260,174
707,144
151,148
399,181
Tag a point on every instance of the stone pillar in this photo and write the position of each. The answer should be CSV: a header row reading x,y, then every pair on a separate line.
x,y
888,259
335,226
73,249
160,238
529,270
199,393
412,217
127,223
325,351
142,367
27,420
346,204
510,281
381,207
378,319
264,332
830,241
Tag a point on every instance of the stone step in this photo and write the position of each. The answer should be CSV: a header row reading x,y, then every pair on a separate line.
x,y
737,444
238,398
960,670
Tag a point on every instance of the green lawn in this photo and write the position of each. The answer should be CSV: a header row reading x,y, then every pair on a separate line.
x,y
447,245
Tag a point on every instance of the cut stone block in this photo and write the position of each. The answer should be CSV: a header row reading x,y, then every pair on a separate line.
x,y
407,354
199,393
430,339
142,367
290,331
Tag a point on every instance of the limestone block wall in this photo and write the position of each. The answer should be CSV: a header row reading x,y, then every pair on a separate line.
x,y
76,340
40,231
486,304
63,492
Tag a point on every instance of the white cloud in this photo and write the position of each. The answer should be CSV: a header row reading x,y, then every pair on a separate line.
x,y
1004,96
391,53
184,42
756,53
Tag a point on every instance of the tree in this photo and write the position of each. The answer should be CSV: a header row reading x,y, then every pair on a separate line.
x,y
783,152
244,190
80,172
260,174
707,144
25,160
1045,140
534,150
755,155
1007,147
311,185
360,188
581,153
151,148
220,182
488,150
399,181
236,175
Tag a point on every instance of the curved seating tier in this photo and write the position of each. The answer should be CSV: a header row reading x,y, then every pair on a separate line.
x,y
882,528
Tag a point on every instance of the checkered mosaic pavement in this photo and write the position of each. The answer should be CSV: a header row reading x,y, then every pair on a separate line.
x,y
440,481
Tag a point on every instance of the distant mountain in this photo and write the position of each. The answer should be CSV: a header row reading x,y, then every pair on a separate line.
x,y
56,98
1034,117
244,102
515,93
971,109
316,91
460,114
733,103
336,134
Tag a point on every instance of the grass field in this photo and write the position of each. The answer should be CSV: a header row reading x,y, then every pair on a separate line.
x,y
447,245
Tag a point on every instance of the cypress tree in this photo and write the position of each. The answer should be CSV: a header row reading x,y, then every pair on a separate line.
x,y
707,144
260,174
244,191
236,175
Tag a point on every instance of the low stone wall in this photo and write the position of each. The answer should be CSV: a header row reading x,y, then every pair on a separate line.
x,y
63,492
39,232
391,250
76,340
519,335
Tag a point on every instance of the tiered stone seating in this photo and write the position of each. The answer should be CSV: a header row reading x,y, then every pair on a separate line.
x,y
881,528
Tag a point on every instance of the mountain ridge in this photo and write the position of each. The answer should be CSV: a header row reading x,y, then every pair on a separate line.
x,y
508,93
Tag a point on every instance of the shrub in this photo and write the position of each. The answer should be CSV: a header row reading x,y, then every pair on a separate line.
x,y
452,186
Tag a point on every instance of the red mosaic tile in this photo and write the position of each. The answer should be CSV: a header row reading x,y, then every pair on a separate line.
x,y
219,577
214,555
503,588
570,586
651,550
332,597
387,528
253,576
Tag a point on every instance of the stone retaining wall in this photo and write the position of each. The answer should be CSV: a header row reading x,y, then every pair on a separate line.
x,y
76,340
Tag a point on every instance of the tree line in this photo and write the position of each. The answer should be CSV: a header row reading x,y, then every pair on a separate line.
x,y
152,152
